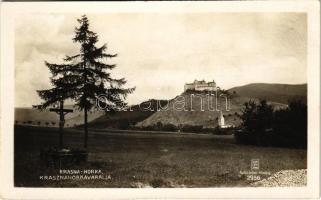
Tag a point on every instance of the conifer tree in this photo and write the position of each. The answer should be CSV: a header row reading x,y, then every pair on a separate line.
x,y
85,76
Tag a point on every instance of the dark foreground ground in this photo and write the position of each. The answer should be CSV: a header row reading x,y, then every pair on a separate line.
x,y
150,160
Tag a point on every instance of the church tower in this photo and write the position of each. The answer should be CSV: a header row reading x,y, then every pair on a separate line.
x,y
221,121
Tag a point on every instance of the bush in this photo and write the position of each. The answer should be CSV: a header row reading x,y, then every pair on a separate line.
x,y
186,128
169,127
291,124
264,127
192,128
159,126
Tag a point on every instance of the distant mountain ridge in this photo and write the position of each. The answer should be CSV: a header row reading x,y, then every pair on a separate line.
x,y
31,116
280,93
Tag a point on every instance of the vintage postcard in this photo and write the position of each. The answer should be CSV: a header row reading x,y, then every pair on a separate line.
x,y
132,100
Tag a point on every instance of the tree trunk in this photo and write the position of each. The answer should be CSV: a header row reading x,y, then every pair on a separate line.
x,y
86,128
85,107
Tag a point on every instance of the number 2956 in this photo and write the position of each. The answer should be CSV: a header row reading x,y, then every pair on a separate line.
x,y
253,178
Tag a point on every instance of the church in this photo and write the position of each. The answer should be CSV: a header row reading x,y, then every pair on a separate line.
x,y
221,121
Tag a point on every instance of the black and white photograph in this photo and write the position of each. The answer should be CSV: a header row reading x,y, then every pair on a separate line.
x,y
162,99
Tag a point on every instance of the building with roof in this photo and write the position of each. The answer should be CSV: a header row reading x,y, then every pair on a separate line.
x,y
200,86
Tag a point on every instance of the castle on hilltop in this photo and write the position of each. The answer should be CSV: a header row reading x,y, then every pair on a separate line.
x,y
200,86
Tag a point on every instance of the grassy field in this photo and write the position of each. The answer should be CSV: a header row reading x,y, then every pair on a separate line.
x,y
149,160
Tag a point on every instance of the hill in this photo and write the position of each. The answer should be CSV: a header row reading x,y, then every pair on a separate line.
x,y
277,95
280,93
128,118
197,109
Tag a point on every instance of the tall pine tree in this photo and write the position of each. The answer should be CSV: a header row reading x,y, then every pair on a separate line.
x,y
86,75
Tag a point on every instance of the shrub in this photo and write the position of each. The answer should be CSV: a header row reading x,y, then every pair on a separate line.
x,y
291,123
169,127
159,126
192,128
264,127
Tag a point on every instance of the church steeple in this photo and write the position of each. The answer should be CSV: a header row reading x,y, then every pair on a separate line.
x,y
221,121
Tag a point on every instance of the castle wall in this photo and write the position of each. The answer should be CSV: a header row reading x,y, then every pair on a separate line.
x,y
189,87
204,87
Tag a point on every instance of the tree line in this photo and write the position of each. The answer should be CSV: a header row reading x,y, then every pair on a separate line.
x,y
264,126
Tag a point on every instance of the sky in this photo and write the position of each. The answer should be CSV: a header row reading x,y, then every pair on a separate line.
x,y
159,52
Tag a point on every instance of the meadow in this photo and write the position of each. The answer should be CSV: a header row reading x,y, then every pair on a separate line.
x,y
149,159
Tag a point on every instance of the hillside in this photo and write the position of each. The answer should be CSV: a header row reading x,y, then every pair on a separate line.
x,y
197,111
280,93
125,119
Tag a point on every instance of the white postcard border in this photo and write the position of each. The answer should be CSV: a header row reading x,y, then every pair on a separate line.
x,y
10,10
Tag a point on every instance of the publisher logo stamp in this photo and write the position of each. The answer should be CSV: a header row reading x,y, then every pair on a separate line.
x,y
255,164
